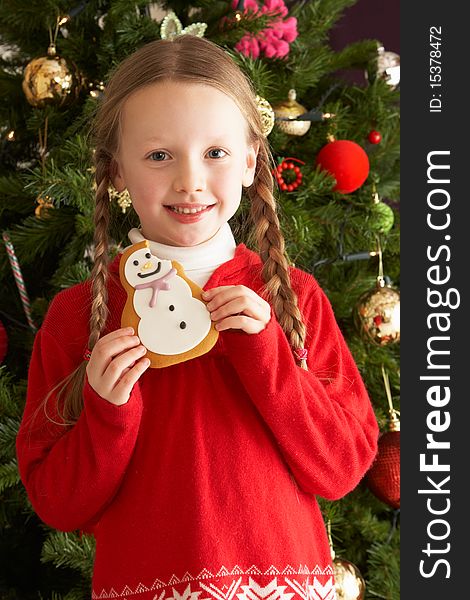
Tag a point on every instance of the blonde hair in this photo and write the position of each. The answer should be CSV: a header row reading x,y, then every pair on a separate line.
x,y
187,59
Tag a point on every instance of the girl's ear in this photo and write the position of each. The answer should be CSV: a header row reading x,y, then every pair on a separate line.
x,y
116,177
251,155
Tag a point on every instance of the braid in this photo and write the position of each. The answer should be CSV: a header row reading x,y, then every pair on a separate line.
x,y
271,246
100,273
70,389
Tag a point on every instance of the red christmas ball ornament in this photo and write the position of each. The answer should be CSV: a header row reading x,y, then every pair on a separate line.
x,y
347,162
383,478
375,137
3,342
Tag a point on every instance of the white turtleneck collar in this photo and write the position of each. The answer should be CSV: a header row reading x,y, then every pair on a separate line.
x,y
198,262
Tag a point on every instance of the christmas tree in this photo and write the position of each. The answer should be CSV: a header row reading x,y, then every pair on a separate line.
x,y
337,148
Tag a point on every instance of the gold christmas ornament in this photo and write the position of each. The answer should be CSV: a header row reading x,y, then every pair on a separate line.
x,y
286,112
122,198
50,80
377,314
349,583
43,205
267,115
172,27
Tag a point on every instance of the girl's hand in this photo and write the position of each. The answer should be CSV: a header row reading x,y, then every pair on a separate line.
x,y
237,307
116,363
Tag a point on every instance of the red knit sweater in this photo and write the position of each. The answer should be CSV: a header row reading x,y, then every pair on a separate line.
x,y
203,485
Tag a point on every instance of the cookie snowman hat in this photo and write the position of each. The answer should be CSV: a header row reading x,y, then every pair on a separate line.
x,y
164,307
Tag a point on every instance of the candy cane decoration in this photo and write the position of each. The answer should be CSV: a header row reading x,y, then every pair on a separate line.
x,y
15,265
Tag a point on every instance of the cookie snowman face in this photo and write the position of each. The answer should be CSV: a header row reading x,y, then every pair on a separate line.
x,y
143,267
171,320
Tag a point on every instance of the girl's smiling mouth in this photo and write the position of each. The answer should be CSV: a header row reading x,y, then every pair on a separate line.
x,y
189,208
188,213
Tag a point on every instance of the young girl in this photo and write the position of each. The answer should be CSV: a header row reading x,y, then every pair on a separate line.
x,y
198,480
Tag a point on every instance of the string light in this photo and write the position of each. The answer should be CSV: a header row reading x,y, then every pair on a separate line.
x,y
340,256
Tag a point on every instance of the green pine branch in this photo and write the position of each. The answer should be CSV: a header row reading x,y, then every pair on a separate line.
x,y
70,550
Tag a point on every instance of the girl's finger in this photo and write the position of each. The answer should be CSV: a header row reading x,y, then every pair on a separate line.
x,y
107,349
224,294
115,347
238,305
114,371
119,332
127,381
247,324
114,335
127,369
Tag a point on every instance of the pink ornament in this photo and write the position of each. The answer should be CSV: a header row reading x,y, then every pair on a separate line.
x,y
274,40
288,29
248,46
274,7
250,6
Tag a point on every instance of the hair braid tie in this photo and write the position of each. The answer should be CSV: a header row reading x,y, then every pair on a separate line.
x,y
301,355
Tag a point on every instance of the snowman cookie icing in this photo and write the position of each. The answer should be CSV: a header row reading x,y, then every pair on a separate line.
x,y
164,307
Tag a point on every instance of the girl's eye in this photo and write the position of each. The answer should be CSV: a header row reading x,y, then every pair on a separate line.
x,y
158,154
217,150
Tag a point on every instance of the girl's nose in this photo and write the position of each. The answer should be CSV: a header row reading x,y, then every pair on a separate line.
x,y
190,178
148,265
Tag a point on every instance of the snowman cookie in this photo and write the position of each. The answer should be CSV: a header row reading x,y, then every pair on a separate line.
x,y
164,307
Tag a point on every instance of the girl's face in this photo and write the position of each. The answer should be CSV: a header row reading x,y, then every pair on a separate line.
x,y
183,145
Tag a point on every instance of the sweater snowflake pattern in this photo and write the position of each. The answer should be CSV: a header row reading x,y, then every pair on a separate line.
x,y
203,485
